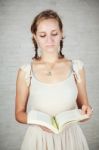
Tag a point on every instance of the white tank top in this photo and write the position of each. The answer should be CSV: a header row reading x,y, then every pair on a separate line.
x,y
53,98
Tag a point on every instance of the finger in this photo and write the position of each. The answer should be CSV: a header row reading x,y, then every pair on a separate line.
x,y
84,109
89,111
84,120
46,129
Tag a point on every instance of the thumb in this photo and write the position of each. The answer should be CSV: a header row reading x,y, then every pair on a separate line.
x,y
83,109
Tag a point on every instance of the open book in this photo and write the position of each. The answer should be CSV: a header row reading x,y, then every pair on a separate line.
x,y
58,122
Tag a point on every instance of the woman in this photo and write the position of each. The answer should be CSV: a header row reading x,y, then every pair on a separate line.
x,y
51,83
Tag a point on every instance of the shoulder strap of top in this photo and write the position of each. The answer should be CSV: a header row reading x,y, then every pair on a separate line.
x,y
31,73
76,66
26,68
30,76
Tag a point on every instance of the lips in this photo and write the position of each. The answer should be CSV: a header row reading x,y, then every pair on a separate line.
x,y
49,45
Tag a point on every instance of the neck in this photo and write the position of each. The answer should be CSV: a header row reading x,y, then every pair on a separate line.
x,y
50,58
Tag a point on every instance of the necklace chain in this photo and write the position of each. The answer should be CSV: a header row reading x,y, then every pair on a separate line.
x,y
49,73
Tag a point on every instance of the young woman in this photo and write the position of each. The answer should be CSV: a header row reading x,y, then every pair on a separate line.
x,y
51,83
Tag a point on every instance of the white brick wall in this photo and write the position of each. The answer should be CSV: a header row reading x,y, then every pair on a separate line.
x,y
81,28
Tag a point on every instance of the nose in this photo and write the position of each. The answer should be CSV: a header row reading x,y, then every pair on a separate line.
x,y
49,40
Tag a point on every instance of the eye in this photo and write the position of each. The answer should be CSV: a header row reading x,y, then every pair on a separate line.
x,y
54,34
42,36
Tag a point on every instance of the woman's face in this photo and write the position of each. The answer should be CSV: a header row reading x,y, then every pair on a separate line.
x,y
48,35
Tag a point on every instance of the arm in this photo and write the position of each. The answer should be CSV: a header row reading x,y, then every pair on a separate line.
x,y
82,98
21,97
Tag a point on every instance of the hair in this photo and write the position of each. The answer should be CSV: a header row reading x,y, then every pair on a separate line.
x,y
47,14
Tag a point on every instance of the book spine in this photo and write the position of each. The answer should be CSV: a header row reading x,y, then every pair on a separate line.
x,y
54,122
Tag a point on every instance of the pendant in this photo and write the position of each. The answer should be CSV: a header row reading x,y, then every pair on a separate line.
x,y
49,73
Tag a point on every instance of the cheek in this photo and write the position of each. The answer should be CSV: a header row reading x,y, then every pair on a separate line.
x,y
57,39
40,42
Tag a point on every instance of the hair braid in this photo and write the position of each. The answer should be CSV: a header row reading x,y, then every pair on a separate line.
x,y
36,49
61,46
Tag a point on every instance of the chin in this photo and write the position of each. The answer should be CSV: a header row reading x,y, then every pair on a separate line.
x,y
50,49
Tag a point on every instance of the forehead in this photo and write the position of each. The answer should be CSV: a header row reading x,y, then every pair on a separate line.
x,y
48,24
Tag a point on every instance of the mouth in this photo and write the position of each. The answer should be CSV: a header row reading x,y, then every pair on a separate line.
x,y
49,45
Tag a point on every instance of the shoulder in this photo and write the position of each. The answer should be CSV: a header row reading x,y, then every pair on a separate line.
x,y
25,67
24,73
77,64
78,69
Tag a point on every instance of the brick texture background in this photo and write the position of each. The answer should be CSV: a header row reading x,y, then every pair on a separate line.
x,y
81,29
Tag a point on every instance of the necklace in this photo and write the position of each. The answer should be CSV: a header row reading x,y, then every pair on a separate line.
x,y
49,73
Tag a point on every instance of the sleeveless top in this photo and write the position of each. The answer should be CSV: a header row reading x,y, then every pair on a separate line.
x,y
53,98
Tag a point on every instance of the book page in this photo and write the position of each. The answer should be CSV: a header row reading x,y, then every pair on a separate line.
x,y
70,116
41,118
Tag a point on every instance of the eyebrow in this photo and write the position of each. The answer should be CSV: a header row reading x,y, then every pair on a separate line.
x,y
45,32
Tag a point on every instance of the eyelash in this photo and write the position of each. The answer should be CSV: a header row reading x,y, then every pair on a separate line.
x,y
45,35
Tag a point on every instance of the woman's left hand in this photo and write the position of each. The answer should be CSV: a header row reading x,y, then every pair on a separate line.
x,y
87,109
